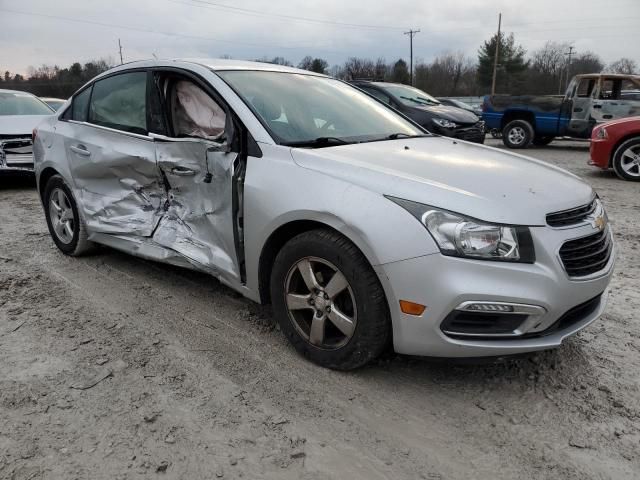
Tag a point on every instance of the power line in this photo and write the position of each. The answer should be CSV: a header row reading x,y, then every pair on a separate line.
x,y
247,11
160,32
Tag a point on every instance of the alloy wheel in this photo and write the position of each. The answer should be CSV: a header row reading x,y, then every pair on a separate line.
x,y
630,161
320,303
61,214
517,135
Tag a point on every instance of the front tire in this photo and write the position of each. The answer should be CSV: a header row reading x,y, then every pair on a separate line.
x,y
329,302
626,160
66,226
517,134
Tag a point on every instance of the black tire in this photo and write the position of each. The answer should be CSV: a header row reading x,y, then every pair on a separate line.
x,y
372,332
517,134
618,160
542,141
78,244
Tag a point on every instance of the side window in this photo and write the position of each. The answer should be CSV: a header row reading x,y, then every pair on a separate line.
x,y
194,113
80,106
629,90
586,87
120,102
379,95
610,89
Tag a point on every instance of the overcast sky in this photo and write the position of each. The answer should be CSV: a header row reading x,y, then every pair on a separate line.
x,y
36,32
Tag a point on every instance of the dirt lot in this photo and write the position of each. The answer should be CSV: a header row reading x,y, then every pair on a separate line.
x,y
114,367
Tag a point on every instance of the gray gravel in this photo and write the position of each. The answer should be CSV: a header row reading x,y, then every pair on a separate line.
x,y
114,367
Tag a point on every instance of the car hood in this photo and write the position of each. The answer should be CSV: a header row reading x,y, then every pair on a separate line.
x,y
474,180
20,125
454,114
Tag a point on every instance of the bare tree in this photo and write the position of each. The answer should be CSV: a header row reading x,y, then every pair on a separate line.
x,y
623,65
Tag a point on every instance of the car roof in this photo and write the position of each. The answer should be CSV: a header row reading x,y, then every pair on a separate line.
x,y
609,75
52,98
215,64
4,90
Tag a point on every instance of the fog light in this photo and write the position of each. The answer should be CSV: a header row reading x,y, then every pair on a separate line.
x,y
489,307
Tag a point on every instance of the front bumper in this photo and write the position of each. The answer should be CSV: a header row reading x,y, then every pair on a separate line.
x,y
443,283
600,153
474,133
16,155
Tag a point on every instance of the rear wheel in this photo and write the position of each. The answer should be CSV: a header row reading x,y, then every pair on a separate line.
x,y
517,134
626,160
542,141
329,302
66,227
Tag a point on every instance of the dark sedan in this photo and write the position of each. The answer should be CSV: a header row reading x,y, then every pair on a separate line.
x,y
425,110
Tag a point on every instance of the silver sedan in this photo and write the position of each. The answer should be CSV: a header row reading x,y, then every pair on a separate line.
x,y
362,229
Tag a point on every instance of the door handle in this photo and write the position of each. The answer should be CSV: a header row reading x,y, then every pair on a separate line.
x,y
577,109
183,172
81,150
597,106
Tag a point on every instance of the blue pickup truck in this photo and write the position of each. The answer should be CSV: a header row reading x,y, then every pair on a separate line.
x,y
538,119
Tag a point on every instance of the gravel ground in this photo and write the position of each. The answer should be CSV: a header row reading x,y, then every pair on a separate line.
x,y
114,367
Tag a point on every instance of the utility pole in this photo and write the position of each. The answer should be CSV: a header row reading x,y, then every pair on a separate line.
x,y
569,53
497,54
411,33
120,48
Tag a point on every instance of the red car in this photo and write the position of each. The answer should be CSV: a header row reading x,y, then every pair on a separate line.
x,y
616,145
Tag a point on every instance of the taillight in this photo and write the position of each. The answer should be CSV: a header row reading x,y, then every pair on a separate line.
x,y
34,133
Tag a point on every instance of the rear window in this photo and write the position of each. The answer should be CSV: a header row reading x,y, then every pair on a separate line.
x,y
120,102
17,103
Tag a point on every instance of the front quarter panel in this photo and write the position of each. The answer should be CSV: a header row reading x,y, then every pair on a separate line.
x,y
277,191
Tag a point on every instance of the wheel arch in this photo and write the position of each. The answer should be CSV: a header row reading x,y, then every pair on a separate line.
x,y
285,232
44,178
511,115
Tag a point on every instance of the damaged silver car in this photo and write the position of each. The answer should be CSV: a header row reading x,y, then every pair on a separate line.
x,y
20,112
362,229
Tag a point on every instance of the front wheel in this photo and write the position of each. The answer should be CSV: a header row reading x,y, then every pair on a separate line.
x,y
626,160
66,226
329,302
517,134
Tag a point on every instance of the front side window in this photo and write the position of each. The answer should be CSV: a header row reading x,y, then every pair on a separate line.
x,y
120,102
586,87
194,113
411,96
298,109
18,103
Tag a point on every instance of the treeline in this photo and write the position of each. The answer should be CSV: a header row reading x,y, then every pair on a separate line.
x,y
543,71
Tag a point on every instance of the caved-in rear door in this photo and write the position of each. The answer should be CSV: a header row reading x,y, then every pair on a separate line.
x,y
199,219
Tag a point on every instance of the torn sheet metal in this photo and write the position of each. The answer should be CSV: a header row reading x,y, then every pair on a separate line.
x,y
16,154
198,221
117,181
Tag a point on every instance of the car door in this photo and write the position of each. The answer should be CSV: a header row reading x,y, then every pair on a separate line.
x,y
199,162
580,121
616,99
112,160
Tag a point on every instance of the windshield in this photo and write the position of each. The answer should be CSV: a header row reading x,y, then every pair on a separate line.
x,y
300,109
410,96
16,103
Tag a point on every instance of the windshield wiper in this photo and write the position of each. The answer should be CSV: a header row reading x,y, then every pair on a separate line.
x,y
318,142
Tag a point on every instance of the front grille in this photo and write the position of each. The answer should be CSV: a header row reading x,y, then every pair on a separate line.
x,y
586,255
572,216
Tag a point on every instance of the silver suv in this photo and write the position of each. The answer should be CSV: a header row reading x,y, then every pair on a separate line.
x,y
362,229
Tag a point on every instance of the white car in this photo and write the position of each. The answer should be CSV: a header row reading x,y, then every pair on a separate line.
x,y
20,112
362,229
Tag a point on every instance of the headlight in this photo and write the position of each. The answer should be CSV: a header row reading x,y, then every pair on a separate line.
x,y
601,133
441,122
460,236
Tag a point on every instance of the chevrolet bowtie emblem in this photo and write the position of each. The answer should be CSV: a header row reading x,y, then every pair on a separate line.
x,y
599,222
